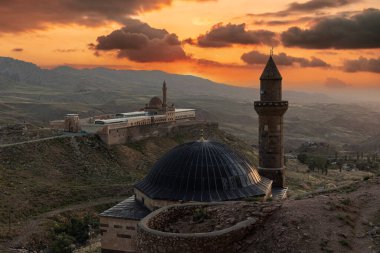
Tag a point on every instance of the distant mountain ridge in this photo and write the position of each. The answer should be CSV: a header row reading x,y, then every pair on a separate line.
x,y
139,82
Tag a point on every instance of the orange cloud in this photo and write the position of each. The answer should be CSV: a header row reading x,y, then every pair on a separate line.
x,y
255,57
21,15
140,42
226,35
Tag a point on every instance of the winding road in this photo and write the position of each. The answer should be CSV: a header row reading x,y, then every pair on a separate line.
x,y
65,135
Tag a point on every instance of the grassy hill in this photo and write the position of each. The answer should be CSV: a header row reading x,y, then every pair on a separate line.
x,y
39,177
44,179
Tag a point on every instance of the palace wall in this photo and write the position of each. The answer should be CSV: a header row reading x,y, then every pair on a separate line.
x,y
122,134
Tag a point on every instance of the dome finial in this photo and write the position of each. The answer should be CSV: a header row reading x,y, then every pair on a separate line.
x,y
202,135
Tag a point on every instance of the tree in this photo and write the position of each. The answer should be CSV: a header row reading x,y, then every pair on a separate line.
x,y
311,164
302,158
62,243
340,165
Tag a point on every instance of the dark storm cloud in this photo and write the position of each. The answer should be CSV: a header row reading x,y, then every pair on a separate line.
x,y
314,5
335,83
255,57
306,7
359,31
17,49
22,15
362,64
140,42
284,22
226,35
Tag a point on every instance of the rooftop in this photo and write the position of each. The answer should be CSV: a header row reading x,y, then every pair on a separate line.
x,y
127,209
271,71
184,110
203,171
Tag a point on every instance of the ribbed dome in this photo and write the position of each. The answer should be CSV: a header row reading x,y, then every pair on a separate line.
x,y
155,102
203,171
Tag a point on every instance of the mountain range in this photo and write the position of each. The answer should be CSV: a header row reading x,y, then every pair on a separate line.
x,y
32,94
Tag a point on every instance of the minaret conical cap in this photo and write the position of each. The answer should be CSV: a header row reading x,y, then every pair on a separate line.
x,y
271,71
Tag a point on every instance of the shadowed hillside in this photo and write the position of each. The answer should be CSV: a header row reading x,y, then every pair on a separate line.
x,y
36,178
42,180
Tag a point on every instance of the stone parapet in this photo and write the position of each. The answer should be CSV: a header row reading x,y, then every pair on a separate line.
x,y
150,239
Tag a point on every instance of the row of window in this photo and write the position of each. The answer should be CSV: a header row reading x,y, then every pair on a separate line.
x,y
104,225
123,236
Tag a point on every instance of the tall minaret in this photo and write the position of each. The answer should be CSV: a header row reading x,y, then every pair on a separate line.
x,y
271,109
164,89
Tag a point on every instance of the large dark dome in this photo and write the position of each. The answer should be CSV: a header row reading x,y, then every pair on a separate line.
x,y
155,102
203,171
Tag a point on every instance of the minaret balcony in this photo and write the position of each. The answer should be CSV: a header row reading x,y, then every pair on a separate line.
x,y
271,103
271,108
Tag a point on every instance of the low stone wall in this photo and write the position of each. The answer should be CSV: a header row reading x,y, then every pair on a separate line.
x,y
136,133
150,239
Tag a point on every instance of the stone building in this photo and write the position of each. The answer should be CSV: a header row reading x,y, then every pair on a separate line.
x,y
120,128
71,123
204,171
271,109
157,106
200,171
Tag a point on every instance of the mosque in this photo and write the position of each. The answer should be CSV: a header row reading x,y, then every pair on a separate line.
x,y
120,128
206,171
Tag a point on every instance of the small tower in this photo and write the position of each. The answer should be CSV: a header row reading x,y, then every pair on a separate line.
x,y
271,109
164,89
72,123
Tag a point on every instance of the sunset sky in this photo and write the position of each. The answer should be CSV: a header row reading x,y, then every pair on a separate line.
x,y
319,45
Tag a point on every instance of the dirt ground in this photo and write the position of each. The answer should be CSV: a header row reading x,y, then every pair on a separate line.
x,y
347,220
213,218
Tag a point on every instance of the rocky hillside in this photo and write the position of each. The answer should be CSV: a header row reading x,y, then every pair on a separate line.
x,y
43,179
345,220
39,177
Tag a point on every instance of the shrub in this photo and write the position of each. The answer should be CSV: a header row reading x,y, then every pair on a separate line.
x,y
199,215
62,243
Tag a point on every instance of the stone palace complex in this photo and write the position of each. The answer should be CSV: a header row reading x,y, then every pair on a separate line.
x,y
120,128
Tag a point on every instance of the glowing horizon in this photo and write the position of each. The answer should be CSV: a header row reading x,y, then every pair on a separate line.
x,y
193,43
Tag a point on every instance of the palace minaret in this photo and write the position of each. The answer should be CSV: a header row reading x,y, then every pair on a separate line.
x,y
271,109
164,89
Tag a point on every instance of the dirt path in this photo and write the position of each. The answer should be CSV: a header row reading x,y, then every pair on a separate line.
x,y
65,135
32,224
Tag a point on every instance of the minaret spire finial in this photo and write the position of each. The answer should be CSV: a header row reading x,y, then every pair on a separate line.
x,y
202,135
271,52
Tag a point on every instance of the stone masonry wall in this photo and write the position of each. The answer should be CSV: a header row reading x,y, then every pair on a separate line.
x,y
150,239
136,133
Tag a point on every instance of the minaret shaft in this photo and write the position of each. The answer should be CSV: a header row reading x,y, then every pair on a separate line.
x,y
271,109
164,90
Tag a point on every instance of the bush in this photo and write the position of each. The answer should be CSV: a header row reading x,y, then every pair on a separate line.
x,y
199,215
302,158
74,232
62,243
